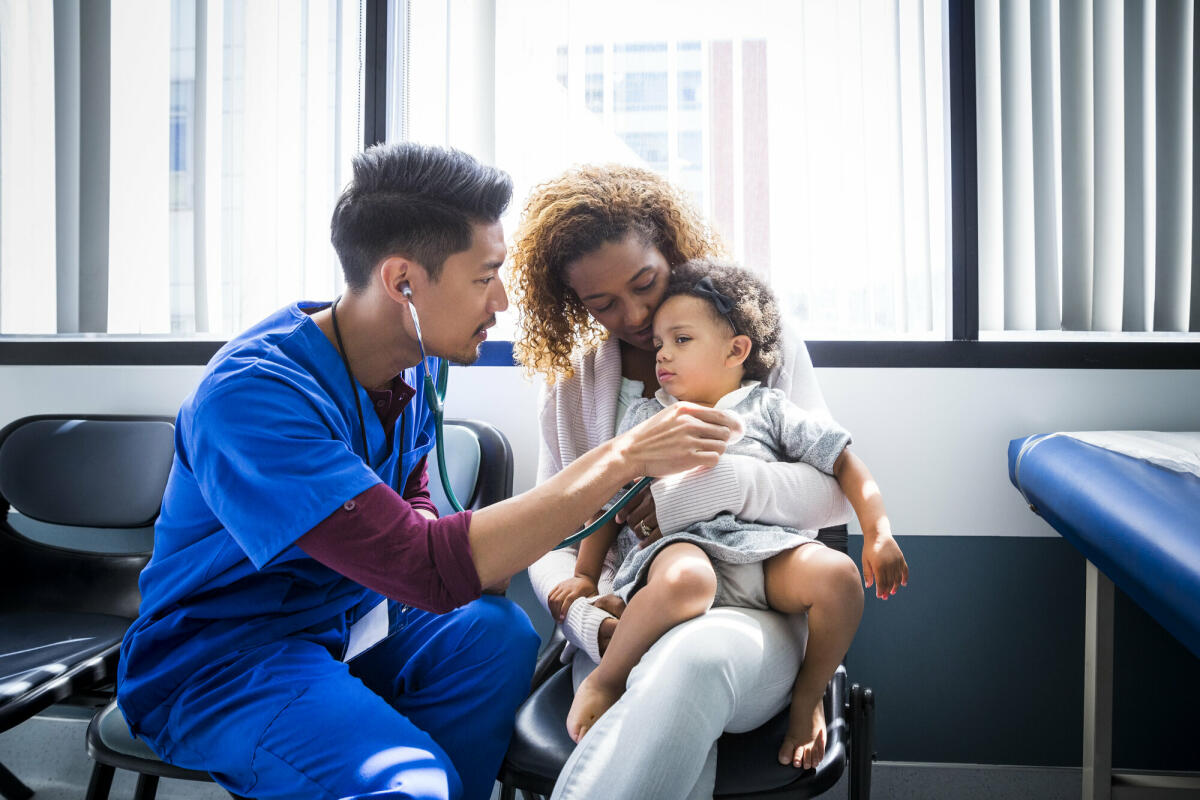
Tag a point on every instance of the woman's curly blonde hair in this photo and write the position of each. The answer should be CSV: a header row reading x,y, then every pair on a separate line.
x,y
574,215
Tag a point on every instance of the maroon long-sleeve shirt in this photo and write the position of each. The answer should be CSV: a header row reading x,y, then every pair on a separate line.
x,y
379,539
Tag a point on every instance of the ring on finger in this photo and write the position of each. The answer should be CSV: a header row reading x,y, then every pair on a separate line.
x,y
645,529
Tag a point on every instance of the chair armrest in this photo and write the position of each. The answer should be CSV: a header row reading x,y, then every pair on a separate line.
x,y
548,661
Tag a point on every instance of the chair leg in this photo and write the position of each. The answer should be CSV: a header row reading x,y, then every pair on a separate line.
x,y
147,787
862,741
11,786
101,782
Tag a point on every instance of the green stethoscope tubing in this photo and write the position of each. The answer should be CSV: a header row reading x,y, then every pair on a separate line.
x,y
435,390
588,530
435,393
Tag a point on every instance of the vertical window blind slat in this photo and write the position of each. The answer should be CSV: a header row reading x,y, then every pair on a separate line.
x,y
1017,124
200,268
27,242
95,133
66,164
1109,93
209,168
991,177
1043,61
1137,314
138,296
1194,322
1173,148
915,288
1078,160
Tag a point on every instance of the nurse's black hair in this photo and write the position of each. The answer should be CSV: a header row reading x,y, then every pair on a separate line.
x,y
415,201
754,312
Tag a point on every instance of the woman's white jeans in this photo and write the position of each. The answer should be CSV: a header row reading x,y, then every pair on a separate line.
x,y
731,669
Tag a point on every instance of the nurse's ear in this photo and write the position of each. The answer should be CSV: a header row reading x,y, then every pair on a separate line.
x,y
398,274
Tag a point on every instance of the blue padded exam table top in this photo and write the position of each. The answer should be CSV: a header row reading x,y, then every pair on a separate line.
x,y
1139,523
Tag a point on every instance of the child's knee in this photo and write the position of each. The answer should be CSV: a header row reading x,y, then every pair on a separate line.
x,y
690,580
843,582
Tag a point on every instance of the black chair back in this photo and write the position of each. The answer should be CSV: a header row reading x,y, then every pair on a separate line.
x,y
87,479
479,462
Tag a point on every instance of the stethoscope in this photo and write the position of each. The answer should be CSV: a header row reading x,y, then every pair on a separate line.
x,y
435,397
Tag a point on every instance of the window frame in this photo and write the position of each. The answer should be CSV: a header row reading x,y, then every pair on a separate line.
x,y
963,350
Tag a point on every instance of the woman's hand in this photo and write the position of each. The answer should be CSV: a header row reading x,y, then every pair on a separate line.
x,y
562,596
678,438
639,516
883,565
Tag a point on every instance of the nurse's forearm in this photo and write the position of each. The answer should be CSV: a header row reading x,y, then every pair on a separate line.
x,y
509,536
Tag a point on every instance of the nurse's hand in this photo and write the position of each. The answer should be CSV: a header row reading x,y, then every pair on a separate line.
x,y
680,437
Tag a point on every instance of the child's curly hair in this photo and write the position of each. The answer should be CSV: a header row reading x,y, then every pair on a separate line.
x,y
755,310
574,215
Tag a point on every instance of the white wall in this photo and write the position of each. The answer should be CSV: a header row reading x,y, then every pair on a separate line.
x,y
936,439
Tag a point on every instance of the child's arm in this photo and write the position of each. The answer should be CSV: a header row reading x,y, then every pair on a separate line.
x,y
588,564
883,563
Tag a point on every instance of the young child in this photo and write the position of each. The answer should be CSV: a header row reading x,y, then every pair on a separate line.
x,y
716,336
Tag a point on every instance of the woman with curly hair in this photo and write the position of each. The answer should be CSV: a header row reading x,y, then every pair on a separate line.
x,y
590,264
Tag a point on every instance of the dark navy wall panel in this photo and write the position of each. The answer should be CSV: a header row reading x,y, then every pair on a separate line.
x,y
980,660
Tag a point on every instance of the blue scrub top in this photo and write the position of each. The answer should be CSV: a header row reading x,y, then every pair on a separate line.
x,y
265,449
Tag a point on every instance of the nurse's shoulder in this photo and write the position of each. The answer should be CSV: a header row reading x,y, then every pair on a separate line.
x,y
272,369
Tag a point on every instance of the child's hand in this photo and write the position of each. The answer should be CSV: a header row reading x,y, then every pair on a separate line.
x,y
883,565
562,596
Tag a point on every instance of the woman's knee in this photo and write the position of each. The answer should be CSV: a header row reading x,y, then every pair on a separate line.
x,y
704,653
729,660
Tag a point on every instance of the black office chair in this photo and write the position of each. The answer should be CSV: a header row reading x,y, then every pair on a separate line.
x,y
746,764
480,466
77,494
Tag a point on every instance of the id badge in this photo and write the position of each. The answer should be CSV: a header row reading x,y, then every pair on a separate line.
x,y
368,631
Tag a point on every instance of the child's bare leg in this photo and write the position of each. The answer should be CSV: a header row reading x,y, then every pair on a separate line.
x,y
681,585
826,584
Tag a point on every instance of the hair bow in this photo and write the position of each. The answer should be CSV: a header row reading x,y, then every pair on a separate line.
x,y
724,305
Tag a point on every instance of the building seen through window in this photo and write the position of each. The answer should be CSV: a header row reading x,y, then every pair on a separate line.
x,y
809,134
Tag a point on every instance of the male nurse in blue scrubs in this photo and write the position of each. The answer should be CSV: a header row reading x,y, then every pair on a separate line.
x,y
309,628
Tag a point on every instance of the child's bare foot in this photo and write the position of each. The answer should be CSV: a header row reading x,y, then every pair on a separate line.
x,y
804,743
611,603
592,699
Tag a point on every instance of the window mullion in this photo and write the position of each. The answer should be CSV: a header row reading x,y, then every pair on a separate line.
x,y
964,200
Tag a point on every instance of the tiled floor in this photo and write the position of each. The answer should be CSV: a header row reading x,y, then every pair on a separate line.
x,y
48,754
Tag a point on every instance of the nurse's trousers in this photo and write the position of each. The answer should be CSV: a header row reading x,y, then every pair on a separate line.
x,y
426,714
